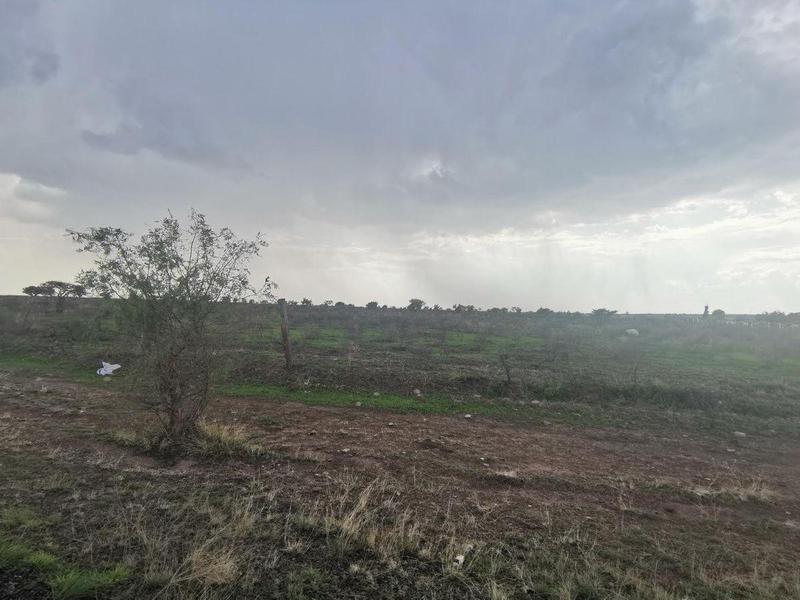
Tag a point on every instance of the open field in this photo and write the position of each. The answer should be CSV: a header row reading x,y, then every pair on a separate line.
x,y
592,464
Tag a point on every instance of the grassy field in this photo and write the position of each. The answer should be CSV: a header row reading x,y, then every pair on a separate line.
x,y
401,459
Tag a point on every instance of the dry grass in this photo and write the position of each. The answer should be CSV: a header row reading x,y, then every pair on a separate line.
x,y
727,485
741,489
219,441
192,547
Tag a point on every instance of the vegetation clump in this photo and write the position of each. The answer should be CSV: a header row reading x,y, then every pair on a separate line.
x,y
172,281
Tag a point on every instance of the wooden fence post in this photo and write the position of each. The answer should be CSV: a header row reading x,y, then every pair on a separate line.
x,y
287,344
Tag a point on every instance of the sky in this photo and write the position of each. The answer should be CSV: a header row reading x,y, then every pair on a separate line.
x,y
641,156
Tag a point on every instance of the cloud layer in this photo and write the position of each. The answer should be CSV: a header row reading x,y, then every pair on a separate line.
x,y
515,153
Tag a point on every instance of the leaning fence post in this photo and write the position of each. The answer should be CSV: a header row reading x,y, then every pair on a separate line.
x,y
287,344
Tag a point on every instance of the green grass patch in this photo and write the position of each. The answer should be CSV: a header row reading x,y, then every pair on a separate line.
x,y
389,402
72,584
42,366
66,582
565,406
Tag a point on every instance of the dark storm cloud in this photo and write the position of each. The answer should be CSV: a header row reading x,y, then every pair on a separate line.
x,y
518,102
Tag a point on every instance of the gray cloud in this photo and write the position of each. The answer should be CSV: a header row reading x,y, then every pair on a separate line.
x,y
25,52
370,123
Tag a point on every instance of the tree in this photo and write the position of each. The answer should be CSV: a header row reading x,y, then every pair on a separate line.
x,y
372,305
516,310
171,282
306,302
542,310
462,308
416,304
603,312
719,313
34,290
57,289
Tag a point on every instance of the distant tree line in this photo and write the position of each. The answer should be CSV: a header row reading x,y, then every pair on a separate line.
x,y
420,305
56,289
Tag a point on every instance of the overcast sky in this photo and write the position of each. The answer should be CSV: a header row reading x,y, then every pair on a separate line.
x,y
640,155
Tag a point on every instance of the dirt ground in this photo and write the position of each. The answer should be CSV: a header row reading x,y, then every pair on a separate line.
x,y
494,478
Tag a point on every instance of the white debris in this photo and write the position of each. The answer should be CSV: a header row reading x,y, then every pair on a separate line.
x,y
417,392
358,404
740,434
459,560
467,416
632,332
376,394
107,369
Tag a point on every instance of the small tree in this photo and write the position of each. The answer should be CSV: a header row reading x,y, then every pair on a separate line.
x,y
416,304
306,302
171,281
372,305
603,312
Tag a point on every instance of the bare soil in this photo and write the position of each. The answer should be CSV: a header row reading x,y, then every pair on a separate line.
x,y
497,479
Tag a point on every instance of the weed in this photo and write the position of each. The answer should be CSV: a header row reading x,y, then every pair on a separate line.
x,y
76,583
